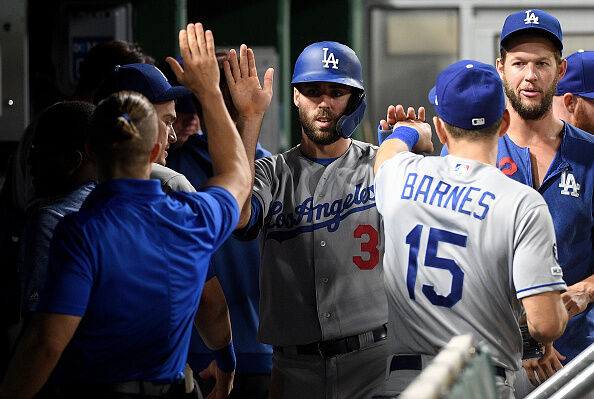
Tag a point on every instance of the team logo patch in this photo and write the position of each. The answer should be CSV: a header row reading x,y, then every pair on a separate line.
x,y
329,59
531,18
556,271
569,185
478,121
507,166
461,169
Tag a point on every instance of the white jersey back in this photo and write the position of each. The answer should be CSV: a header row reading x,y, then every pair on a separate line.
x,y
463,244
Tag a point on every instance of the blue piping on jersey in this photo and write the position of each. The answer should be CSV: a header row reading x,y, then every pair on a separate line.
x,y
281,236
539,286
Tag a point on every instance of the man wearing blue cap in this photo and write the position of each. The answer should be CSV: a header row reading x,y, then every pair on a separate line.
x,y
149,81
555,158
468,246
574,99
322,304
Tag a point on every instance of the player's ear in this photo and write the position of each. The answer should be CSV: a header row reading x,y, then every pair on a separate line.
x,y
440,129
504,123
562,69
569,100
499,66
155,152
296,95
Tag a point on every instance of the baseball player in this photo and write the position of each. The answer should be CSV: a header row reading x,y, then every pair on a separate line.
x,y
556,159
574,99
149,81
468,246
322,304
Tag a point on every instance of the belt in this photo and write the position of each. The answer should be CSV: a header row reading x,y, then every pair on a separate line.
x,y
414,362
339,346
141,387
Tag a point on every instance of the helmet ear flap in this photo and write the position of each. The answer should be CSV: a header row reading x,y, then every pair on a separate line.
x,y
349,121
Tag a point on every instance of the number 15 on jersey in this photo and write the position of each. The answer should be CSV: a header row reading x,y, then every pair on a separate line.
x,y
413,239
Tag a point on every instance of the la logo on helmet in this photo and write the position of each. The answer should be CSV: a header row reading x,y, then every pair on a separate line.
x,y
329,59
531,18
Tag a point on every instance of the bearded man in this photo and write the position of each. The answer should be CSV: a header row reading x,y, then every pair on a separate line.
x,y
322,301
555,158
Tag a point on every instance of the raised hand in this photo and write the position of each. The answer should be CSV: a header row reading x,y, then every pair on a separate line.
x,y
201,71
248,96
417,122
396,114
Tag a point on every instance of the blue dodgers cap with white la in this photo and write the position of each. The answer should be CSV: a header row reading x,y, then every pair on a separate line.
x,y
535,20
328,62
579,78
468,95
147,80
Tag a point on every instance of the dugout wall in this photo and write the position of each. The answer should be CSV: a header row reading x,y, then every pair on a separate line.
x,y
406,43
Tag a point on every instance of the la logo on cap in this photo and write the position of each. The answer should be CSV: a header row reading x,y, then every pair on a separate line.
x,y
329,59
531,18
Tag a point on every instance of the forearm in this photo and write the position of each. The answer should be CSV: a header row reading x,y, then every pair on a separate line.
x,y
212,318
545,328
249,129
30,366
229,160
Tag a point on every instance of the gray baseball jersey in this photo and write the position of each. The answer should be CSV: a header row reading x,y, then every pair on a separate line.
x,y
321,245
465,243
170,179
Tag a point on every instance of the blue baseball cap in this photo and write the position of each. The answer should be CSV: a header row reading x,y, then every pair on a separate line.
x,y
147,80
579,78
468,95
328,62
535,20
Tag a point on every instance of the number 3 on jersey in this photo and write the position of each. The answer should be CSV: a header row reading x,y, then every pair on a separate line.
x,y
369,246
432,260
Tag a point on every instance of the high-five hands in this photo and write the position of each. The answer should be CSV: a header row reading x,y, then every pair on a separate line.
x,y
397,117
248,96
201,71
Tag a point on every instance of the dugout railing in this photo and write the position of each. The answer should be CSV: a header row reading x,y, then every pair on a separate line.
x,y
574,381
461,370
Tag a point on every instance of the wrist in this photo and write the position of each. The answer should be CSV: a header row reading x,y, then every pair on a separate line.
x,y
406,134
249,116
225,358
206,93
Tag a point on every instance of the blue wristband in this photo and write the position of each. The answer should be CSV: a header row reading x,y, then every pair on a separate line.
x,y
382,134
225,358
407,134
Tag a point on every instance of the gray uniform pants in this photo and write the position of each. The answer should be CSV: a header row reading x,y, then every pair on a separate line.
x,y
397,381
354,375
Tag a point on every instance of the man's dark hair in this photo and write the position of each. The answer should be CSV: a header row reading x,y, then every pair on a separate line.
x,y
63,126
101,60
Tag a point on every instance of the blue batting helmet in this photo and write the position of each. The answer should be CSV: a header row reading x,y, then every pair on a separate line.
x,y
336,63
